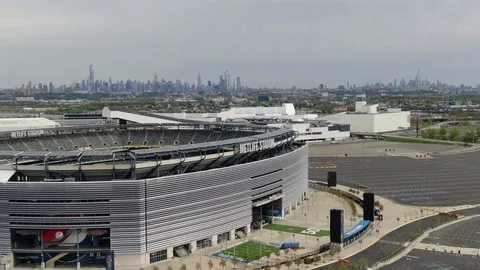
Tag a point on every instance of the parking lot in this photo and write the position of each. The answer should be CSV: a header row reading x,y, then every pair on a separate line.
x,y
375,148
443,180
428,260
464,234
395,240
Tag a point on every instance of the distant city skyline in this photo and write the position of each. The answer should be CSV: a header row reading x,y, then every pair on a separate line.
x,y
225,82
269,43
90,83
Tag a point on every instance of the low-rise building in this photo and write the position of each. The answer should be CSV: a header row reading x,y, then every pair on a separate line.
x,y
368,119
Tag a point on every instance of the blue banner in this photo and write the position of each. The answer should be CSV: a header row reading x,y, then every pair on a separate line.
x,y
358,228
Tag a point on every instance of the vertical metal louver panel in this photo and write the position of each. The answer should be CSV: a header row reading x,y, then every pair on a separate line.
x,y
118,205
178,208
225,192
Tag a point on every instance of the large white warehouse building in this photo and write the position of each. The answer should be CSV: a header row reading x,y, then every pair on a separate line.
x,y
368,119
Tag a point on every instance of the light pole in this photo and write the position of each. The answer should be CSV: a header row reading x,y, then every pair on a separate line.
x,y
41,241
78,251
363,147
271,221
261,220
424,176
366,171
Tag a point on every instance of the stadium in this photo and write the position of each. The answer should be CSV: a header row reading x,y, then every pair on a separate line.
x,y
140,193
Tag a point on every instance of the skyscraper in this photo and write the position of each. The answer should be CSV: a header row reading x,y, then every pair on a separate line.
x,y
110,85
199,81
229,82
418,80
155,82
92,78
225,78
239,84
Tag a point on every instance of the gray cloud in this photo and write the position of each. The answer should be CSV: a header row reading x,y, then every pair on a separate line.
x,y
266,42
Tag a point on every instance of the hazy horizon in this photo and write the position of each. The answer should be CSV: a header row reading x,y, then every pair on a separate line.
x,y
266,42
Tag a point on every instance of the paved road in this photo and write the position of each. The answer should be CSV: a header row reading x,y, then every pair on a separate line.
x,y
395,240
465,234
438,181
428,260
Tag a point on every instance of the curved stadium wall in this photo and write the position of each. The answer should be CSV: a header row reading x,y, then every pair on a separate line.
x,y
148,215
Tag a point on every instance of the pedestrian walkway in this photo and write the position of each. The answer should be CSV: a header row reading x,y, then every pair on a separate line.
x,y
313,212
395,215
417,244
448,249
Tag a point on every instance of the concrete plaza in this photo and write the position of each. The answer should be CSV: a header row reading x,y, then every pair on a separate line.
x,y
313,212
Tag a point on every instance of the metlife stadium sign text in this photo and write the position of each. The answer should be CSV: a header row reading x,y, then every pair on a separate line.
x,y
256,146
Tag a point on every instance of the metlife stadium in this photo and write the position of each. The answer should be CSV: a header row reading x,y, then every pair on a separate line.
x,y
143,192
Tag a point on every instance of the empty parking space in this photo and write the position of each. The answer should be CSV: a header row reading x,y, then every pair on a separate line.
x,y
375,148
464,234
444,180
428,260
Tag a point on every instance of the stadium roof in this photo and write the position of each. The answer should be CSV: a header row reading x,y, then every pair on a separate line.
x,y
138,117
37,154
14,124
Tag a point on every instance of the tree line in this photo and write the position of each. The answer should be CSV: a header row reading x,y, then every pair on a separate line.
x,y
452,134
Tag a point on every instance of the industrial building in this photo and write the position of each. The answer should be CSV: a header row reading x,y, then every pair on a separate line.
x,y
368,119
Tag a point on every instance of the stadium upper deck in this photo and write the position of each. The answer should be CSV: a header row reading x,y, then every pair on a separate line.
x,y
135,151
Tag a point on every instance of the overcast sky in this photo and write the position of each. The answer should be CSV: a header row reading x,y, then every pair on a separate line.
x,y
265,42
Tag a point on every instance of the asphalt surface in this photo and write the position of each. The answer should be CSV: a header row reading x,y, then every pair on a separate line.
x,y
396,240
443,180
375,148
464,234
428,260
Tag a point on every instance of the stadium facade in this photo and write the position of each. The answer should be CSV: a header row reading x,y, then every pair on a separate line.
x,y
144,193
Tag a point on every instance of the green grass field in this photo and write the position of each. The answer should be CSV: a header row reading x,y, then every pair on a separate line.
x,y
292,229
424,141
253,249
